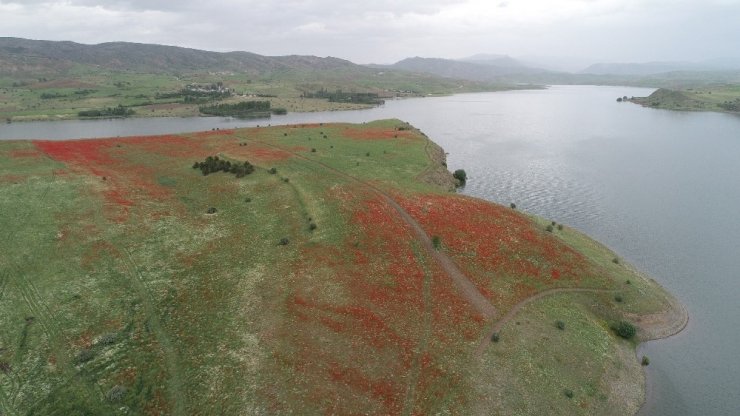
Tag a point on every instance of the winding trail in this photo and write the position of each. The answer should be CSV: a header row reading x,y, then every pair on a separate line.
x,y
463,284
486,340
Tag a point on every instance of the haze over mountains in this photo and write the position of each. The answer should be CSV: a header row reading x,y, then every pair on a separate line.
x,y
37,56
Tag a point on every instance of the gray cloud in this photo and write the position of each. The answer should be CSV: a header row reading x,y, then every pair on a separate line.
x,y
385,30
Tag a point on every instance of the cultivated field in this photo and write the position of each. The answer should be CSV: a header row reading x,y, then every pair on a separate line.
x,y
340,277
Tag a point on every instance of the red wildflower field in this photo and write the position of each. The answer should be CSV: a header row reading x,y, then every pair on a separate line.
x,y
378,328
498,247
108,159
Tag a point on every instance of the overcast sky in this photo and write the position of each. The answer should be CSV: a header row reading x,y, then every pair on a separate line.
x,y
384,31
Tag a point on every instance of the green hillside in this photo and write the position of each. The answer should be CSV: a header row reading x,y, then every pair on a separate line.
x,y
304,269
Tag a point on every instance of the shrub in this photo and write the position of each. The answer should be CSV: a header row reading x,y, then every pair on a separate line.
x,y
461,176
367,154
108,339
313,150
211,210
436,242
645,360
5,367
312,226
615,260
629,282
116,393
272,171
568,393
247,199
284,241
618,298
512,205
495,337
554,223
548,228
560,227
84,356
560,325
625,329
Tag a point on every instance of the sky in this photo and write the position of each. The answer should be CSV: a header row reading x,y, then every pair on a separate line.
x,y
385,31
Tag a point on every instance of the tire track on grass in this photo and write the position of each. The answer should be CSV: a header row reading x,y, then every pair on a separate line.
x,y
486,340
469,291
426,332
174,382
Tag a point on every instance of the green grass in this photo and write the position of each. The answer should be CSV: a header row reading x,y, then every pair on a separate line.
x,y
114,281
107,88
723,98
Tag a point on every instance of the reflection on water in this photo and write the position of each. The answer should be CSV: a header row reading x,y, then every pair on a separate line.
x,y
659,187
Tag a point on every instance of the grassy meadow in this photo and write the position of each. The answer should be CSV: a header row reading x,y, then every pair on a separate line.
x,y
722,98
131,283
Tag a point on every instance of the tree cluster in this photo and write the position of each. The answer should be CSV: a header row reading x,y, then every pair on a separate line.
x,y
213,164
242,109
339,96
119,111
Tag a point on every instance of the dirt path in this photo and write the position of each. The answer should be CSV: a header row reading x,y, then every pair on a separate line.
x,y
463,284
514,310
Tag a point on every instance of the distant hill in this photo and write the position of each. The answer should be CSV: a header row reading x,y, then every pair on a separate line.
x,y
23,54
483,68
654,68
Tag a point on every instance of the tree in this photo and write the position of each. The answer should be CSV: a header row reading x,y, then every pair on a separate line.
x,y
625,329
461,176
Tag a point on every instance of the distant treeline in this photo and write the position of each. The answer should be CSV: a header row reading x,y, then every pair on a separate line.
x,y
339,96
213,164
119,111
244,109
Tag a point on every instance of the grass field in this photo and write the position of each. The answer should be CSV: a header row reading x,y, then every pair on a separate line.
x,y
722,98
306,291
64,95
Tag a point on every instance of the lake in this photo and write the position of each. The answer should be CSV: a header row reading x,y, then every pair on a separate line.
x,y
661,188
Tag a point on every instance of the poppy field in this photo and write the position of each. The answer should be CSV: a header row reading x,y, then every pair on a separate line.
x,y
131,283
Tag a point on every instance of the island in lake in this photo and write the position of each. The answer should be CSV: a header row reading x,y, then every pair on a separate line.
x,y
312,269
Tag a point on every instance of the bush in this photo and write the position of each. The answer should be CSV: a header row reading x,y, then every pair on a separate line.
x,y
560,325
461,176
313,150
495,337
312,226
645,361
108,339
615,260
116,393
512,205
618,298
284,241
436,242
560,227
568,393
548,228
211,210
272,171
625,329
84,356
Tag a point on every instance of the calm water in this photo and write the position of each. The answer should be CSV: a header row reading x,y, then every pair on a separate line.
x,y
661,188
